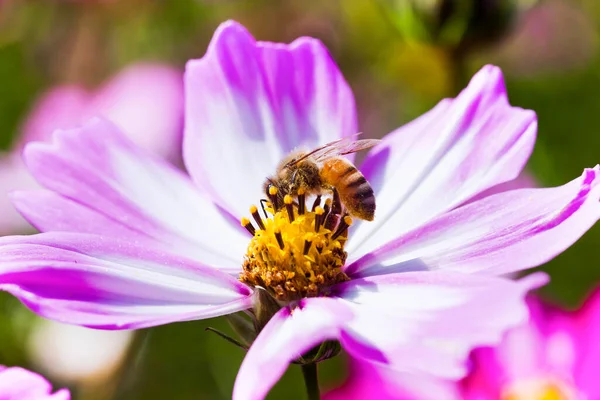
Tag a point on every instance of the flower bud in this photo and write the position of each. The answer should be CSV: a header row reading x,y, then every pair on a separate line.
x,y
264,307
322,352
464,24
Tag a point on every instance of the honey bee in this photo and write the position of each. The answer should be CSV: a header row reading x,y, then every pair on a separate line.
x,y
323,169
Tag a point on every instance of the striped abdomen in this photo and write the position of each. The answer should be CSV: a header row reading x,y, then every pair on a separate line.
x,y
355,192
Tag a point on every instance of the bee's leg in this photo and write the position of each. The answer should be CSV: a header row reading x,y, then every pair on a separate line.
x,y
262,205
336,204
293,181
334,216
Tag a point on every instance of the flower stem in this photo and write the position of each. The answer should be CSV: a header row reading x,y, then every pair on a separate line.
x,y
309,371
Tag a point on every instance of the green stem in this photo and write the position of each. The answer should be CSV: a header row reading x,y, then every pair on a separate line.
x,y
458,69
309,371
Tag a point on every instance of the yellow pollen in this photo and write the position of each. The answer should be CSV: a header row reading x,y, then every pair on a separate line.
x,y
301,191
245,221
539,389
348,220
272,190
290,259
253,209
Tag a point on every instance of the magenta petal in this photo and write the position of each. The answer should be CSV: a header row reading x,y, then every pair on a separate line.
x,y
254,102
20,384
104,184
427,322
368,381
437,162
502,233
289,334
585,334
108,283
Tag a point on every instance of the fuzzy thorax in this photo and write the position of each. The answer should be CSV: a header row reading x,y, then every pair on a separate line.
x,y
295,252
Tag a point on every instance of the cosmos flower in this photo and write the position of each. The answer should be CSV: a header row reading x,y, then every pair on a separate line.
x,y
145,100
19,384
554,356
132,242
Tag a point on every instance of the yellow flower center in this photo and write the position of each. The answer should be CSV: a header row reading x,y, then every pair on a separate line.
x,y
539,389
295,252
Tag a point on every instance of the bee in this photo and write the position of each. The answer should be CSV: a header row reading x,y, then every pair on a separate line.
x,y
324,169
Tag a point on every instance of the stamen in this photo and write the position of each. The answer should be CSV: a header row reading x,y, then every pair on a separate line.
x,y
319,212
273,197
344,224
316,203
307,243
293,256
279,238
327,206
301,201
246,224
289,205
256,216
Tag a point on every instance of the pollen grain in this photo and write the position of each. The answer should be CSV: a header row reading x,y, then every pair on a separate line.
x,y
292,254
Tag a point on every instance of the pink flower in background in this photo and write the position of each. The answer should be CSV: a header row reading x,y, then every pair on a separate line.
x,y
133,242
19,384
144,100
555,356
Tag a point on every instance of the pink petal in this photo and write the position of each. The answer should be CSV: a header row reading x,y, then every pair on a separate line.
x,y
249,103
13,174
288,335
427,322
502,233
550,347
145,100
523,181
60,108
109,283
106,185
19,384
437,162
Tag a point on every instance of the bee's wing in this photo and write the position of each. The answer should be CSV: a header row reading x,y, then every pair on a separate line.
x,y
340,147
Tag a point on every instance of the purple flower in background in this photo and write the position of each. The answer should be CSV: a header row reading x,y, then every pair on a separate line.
x,y
19,384
144,100
132,242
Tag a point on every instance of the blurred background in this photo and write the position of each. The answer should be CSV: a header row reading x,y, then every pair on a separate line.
x,y
62,61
